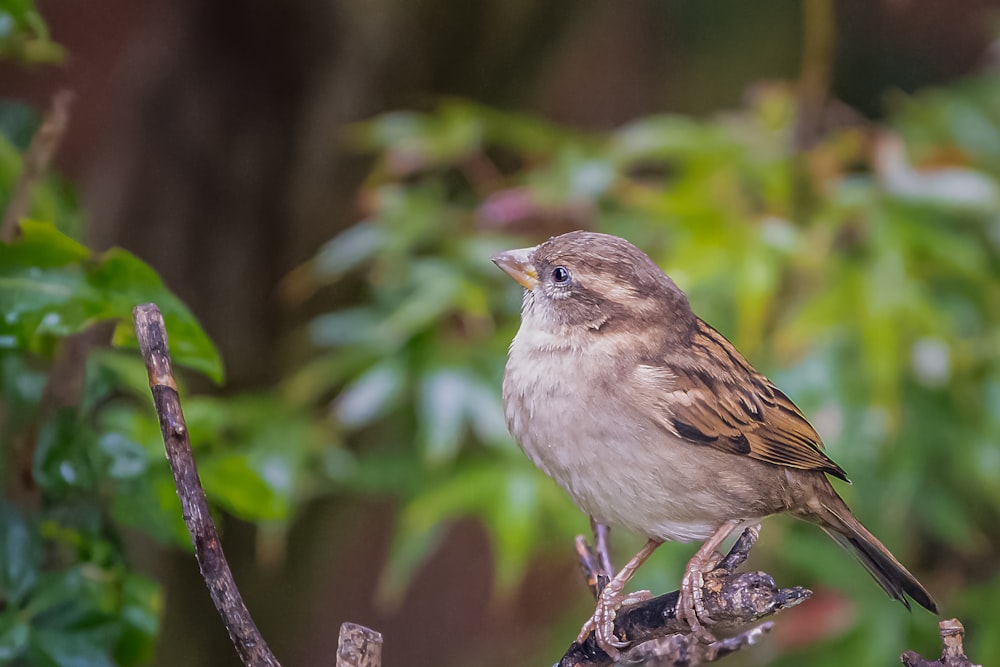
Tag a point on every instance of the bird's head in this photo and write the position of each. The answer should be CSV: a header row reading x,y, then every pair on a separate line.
x,y
590,282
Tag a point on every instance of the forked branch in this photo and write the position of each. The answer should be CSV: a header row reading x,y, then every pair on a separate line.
x,y
733,599
953,653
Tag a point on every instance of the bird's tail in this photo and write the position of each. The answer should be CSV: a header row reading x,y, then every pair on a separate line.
x,y
840,524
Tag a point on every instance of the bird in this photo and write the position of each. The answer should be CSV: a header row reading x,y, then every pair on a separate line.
x,y
651,420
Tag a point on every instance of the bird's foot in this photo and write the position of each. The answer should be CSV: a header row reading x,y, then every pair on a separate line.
x,y
691,603
602,622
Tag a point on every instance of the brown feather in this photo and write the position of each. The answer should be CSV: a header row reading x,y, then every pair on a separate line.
x,y
729,406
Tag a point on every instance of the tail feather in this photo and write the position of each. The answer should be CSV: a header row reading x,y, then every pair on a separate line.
x,y
890,574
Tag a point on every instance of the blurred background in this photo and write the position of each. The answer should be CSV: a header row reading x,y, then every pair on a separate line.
x,y
322,183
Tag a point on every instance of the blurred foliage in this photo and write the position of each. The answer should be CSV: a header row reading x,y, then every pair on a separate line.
x,y
67,593
82,457
80,466
414,368
24,35
862,275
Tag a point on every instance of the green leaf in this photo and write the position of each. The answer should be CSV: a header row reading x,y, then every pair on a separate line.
x,y
68,649
40,246
20,555
242,489
142,606
513,500
435,288
50,286
123,458
484,410
371,395
514,524
351,326
60,599
461,493
42,286
352,247
658,137
62,457
416,141
150,504
441,411
381,472
24,35
410,549
14,635
124,281
22,386
523,133
18,124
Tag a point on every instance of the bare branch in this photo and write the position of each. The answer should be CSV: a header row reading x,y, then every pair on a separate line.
x,y
817,65
953,654
733,599
590,565
36,161
250,646
595,562
687,650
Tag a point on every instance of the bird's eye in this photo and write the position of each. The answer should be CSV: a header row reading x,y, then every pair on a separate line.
x,y
560,275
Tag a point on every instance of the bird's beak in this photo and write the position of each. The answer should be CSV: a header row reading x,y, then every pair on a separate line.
x,y
517,264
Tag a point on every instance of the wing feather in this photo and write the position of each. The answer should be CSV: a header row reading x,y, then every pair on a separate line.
x,y
731,407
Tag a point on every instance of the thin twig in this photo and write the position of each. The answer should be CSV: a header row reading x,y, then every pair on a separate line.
x,y
595,562
819,41
590,566
732,599
687,650
249,643
36,160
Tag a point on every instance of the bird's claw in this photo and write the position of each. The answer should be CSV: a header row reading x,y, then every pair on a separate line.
x,y
602,622
691,604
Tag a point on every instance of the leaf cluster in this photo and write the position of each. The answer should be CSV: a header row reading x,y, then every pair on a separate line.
x,y
82,459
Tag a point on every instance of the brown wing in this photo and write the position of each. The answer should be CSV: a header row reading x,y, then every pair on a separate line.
x,y
732,408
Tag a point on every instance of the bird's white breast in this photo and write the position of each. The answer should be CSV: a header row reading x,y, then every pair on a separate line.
x,y
566,404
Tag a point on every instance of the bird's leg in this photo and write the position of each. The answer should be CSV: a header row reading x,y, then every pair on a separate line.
x,y
601,532
691,606
611,599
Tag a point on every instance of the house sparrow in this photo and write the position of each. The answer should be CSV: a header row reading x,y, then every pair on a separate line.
x,y
651,420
